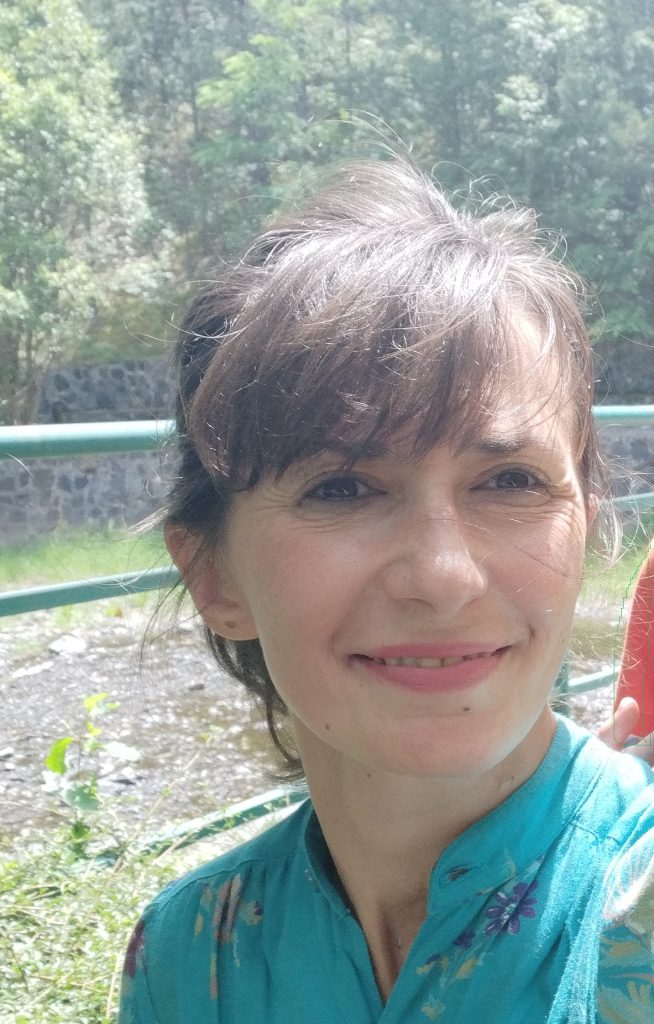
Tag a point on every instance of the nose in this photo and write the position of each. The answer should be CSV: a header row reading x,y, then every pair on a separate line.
x,y
437,558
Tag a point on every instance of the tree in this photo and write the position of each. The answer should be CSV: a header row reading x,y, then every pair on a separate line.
x,y
286,104
72,204
162,50
575,137
550,100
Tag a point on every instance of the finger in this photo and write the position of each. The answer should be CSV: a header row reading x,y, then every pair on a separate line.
x,y
619,727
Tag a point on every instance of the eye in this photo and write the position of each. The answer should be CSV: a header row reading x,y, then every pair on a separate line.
x,y
339,489
515,478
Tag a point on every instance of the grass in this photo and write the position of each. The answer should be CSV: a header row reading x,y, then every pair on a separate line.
x,y
66,920
66,924
79,554
609,587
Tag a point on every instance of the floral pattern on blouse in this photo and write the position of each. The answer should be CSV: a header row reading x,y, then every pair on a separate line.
x,y
135,955
220,910
496,934
626,991
502,917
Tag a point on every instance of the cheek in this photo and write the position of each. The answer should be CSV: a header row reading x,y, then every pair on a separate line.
x,y
296,584
554,546
543,575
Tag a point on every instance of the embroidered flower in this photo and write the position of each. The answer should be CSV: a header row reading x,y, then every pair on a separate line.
x,y
506,913
433,1009
616,1005
465,939
251,912
225,910
431,962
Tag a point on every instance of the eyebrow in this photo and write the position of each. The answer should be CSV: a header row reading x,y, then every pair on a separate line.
x,y
347,455
498,445
492,444
353,452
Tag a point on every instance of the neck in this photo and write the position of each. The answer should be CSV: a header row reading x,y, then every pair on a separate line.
x,y
385,832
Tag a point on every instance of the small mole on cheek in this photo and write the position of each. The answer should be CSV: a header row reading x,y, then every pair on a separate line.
x,y
466,709
327,726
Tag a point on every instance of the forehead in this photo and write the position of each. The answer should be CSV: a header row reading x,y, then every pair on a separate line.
x,y
508,429
530,402
533,396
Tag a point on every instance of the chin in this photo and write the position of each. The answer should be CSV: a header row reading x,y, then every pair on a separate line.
x,y
475,747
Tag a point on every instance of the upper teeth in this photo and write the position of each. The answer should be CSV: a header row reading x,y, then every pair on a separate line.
x,y
430,662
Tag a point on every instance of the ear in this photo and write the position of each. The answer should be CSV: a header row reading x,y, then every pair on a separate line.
x,y
214,591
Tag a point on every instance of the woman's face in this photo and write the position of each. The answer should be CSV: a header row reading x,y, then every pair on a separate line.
x,y
414,614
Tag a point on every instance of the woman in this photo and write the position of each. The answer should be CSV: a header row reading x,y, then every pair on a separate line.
x,y
389,474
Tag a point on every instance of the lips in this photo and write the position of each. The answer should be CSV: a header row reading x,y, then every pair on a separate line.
x,y
430,668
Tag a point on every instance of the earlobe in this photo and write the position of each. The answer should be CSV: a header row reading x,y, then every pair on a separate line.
x,y
592,509
211,585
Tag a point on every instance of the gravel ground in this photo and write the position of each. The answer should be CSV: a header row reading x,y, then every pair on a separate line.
x,y
182,741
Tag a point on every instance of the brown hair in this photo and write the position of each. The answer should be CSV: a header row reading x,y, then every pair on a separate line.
x,y
377,306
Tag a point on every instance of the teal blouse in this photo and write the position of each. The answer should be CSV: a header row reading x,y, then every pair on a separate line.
x,y
542,911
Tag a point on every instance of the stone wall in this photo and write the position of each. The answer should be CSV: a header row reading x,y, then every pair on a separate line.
x,y
140,389
38,496
41,495
136,389
625,373
630,452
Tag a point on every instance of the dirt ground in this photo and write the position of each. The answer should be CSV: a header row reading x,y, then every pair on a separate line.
x,y
181,743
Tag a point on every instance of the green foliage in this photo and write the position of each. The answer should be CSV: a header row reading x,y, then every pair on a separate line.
x,y
66,924
70,776
275,105
69,903
56,759
66,914
72,207
146,148
552,99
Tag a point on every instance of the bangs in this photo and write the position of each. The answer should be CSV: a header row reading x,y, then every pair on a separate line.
x,y
346,349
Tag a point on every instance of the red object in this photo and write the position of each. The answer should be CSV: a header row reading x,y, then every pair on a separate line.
x,y
636,677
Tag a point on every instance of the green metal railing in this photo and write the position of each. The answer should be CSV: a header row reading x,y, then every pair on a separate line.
x,y
79,591
29,442
38,441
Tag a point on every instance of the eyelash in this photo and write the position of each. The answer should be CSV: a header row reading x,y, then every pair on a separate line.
x,y
352,481
342,478
538,483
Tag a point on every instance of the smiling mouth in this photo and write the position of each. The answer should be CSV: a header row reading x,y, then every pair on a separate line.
x,y
431,662
454,671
